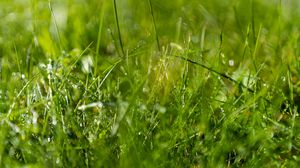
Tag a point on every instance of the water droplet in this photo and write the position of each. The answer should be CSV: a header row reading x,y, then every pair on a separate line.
x,y
97,122
160,108
34,117
87,64
222,110
43,66
54,122
143,107
145,90
49,67
222,55
231,62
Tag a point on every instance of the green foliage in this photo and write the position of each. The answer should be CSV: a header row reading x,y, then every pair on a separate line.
x,y
162,84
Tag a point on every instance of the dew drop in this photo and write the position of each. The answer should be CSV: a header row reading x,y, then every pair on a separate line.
x,y
231,63
54,122
222,110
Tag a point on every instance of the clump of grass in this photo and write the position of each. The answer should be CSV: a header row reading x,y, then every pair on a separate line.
x,y
186,84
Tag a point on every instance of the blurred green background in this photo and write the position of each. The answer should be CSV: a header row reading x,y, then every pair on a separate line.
x,y
30,25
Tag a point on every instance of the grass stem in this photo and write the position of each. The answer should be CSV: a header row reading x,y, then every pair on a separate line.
x,y
118,27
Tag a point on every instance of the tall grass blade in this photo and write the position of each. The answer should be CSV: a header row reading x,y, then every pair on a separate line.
x,y
154,24
56,27
99,37
118,28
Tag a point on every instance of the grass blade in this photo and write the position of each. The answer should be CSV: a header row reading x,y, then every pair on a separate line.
x,y
220,74
154,24
118,28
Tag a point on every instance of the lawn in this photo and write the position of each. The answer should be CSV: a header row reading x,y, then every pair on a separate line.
x,y
149,83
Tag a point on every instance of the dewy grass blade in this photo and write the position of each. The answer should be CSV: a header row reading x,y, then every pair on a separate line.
x,y
91,105
220,74
71,67
19,94
111,69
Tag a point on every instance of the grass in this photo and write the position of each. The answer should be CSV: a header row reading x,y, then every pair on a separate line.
x,y
149,83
